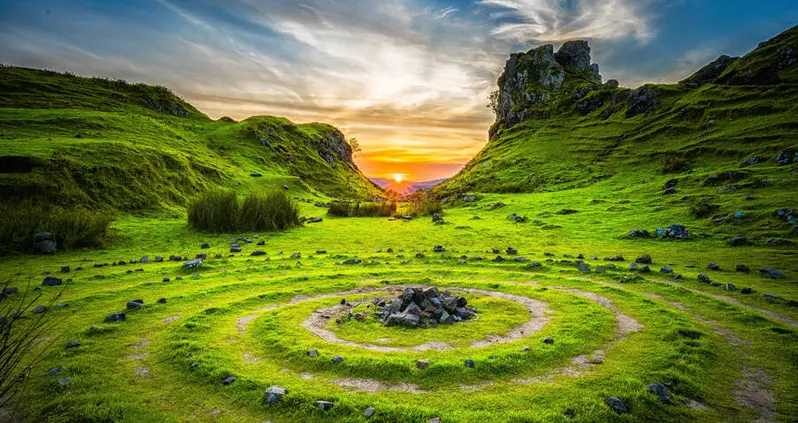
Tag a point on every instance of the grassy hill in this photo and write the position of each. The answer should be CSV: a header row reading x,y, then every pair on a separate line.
x,y
106,143
725,139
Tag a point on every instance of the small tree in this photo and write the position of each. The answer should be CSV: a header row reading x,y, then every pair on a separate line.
x,y
355,144
493,99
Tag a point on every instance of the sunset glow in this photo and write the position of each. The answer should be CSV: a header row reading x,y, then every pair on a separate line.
x,y
398,177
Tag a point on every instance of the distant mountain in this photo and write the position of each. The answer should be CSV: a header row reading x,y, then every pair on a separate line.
x,y
405,187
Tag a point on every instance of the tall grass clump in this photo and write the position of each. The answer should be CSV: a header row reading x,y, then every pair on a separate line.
x,y
71,227
423,205
21,345
362,209
222,211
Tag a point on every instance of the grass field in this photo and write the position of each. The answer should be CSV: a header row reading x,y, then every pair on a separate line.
x,y
723,355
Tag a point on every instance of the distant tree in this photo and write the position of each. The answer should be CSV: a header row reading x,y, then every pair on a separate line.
x,y
493,104
355,144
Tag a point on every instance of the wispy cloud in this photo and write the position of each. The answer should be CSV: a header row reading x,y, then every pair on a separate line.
x,y
557,20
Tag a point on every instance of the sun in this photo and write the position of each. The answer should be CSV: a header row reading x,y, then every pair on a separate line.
x,y
398,177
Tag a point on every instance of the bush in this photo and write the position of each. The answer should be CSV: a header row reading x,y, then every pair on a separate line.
x,y
221,211
362,209
72,228
424,205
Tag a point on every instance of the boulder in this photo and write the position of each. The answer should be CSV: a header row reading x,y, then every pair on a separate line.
x,y
44,242
337,359
193,264
644,259
52,281
469,363
135,304
369,413
713,266
737,241
39,309
639,233
584,267
616,405
229,380
115,317
771,273
548,341
422,364
274,394
323,405
257,253
660,391
438,249
742,268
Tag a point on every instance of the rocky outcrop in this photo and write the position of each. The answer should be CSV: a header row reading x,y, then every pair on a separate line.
x,y
710,72
533,81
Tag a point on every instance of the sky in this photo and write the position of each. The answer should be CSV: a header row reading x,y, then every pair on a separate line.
x,y
408,78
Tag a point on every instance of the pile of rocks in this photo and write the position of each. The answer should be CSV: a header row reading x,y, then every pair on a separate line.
x,y
418,307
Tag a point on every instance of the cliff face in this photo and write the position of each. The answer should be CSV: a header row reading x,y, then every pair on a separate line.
x,y
532,82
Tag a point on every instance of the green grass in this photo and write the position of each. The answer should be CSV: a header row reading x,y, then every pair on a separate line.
x,y
362,209
222,211
614,331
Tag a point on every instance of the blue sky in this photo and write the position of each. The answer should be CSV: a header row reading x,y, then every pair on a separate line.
x,y
408,78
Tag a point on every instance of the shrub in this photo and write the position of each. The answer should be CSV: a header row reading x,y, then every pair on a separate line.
x,y
221,211
21,339
72,228
362,209
424,205
675,164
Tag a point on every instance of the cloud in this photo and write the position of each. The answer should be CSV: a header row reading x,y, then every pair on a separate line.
x,y
558,21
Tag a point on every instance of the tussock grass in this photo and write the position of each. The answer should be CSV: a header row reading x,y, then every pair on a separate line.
x,y
72,228
423,205
222,211
362,209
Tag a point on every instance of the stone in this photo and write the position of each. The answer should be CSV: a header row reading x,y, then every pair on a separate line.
x,y
742,268
771,273
677,231
548,341
44,242
323,405
235,248
161,300
55,371
229,380
616,405
165,279
64,269
438,249
434,420
534,264
713,266
313,353
64,381
526,349
10,290
257,253
337,359
369,413
639,233
351,262
511,251
115,317
39,309
437,218
737,241
660,391
72,344
634,266
135,304
52,281
158,259
644,259
730,287
746,291
255,175
193,264
274,394
296,255
469,363
704,278
584,267
645,269
665,269
422,364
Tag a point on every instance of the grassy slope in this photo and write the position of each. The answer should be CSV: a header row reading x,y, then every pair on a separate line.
x,y
130,147
570,150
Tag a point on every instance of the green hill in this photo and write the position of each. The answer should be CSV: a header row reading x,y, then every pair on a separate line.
x,y
558,127
726,137
107,143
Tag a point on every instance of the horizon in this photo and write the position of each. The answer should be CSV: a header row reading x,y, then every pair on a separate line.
x,y
409,79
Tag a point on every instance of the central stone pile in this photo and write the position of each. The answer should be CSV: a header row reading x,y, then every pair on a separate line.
x,y
418,307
